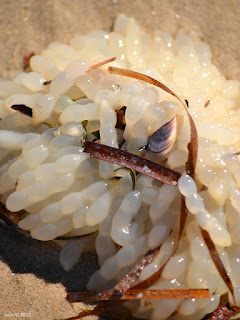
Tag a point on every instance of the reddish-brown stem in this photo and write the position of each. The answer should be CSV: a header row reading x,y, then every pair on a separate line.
x,y
99,64
134,294
133,162
223,312
132,276
216,260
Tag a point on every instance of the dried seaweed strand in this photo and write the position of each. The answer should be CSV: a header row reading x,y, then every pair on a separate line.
x,y
132,161
95,66
207,104
26,60
99,64
223,312
110,295
216,260
45,83
128,281
155,276
121,123
134,294
142,77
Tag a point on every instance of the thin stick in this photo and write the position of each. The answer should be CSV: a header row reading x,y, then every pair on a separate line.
x,y
99,64
217,260
129,280
223,312
132,161
133,294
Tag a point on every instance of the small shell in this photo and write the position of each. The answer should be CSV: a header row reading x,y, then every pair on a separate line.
x,y
162,140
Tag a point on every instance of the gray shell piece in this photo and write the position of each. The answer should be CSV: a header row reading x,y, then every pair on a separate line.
x,y
160,139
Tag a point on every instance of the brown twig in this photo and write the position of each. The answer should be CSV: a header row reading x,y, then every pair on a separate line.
x,y
223,312
99,64
134,294
45,83
216,260
132,161
207,103
26,60
129,280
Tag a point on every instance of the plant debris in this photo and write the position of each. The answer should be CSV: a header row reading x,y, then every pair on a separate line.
x,y
134,294
132,276
96,134
95,66
132,175
45,83
84,123
216,260
207,103
132,161
121,123
99,64
223,312
26,60
23,109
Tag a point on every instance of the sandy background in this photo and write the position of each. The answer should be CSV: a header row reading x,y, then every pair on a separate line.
x,y
32,283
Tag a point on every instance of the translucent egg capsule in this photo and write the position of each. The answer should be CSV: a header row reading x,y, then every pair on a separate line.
x,y
186,185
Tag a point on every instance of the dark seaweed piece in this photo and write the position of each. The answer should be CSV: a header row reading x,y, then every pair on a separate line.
x,y
121,123
45,83
207,104
26,60
223,312
216,260
22,109
96,134
84,123
132,276
131,174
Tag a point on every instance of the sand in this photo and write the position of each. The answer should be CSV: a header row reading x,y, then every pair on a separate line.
x,y
33,285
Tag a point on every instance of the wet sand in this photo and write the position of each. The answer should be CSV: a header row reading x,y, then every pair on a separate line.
x,y
32,283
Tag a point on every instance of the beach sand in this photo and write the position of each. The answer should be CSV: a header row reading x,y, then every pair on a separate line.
x,y
32,283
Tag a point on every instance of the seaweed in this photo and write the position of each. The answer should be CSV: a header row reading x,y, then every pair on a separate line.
x,y
26,60
27,111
